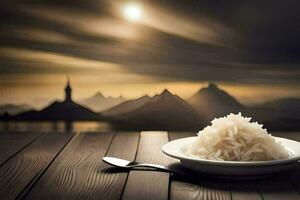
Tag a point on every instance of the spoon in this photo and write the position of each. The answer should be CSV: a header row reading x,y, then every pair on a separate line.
x,y
133,165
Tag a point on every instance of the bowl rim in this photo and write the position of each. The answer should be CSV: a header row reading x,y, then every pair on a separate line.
x,y
180,156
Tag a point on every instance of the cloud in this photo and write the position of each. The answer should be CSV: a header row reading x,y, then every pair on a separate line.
x,y
55,61
231,41
201,30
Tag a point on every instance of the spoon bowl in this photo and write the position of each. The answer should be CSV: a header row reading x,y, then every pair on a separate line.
x,y
118,162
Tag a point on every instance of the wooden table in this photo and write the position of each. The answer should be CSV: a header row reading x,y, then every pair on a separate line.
x,y
37,165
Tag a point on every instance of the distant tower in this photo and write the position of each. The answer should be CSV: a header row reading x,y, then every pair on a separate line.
x,y
68,91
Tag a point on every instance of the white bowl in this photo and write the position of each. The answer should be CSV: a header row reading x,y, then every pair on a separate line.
x,y
233,168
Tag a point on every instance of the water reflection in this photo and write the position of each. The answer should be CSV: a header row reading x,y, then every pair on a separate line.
x,y
58,126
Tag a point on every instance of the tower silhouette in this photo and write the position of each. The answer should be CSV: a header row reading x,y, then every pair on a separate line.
x,y
68,91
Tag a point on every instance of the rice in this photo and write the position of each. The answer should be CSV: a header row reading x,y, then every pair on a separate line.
x,y
235,138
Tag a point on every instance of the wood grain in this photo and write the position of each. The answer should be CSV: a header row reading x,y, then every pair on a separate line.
x,y
178,135
198,187
243,190
277,189
13,142
293,175
124,145
149,184
19,172
77,173
34,172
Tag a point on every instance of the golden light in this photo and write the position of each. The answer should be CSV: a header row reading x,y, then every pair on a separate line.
x,y
132,11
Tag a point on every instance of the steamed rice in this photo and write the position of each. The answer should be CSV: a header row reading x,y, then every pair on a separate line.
x,y
235,138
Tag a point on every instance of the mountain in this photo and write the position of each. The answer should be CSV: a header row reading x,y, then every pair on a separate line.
x,y
161,112
211,102
67,111
13,109
99,102
285,104
126,107
282,114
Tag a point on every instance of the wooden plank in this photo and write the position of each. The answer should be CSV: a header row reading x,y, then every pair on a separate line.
x,y
19,172
124,145
14,142
149,184
293,175
178,135
243,190
198,187
277,188
77,173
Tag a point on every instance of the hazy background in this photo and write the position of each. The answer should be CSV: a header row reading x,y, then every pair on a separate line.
x,y
250,48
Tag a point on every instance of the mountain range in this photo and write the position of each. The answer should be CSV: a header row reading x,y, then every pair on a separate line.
x,y
167,111
281,114
164,111
126,107
56,111
99,102
13,109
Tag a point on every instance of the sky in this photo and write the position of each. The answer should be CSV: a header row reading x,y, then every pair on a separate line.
x,y
250,48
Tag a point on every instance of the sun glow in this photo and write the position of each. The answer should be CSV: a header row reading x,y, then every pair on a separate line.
x,y
132,12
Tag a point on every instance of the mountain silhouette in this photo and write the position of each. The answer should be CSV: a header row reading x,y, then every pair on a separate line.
x,y
282,114
66,110
56,111
99,102
164,111
13,109
292,104
126,107
211,102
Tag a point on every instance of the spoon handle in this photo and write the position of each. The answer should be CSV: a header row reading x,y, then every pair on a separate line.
x,y
118,162
152,166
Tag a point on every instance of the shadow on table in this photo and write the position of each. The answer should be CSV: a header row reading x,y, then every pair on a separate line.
x,y
112,170
279,182
185,178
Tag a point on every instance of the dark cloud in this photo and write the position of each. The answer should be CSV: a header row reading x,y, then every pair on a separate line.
x,y
258,41
268,30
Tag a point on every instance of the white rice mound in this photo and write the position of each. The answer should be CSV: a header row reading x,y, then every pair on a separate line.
x,y
235,138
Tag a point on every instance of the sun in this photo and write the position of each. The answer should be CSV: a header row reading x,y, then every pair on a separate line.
x,y
132,12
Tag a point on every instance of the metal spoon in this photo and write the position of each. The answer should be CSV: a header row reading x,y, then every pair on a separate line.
x,y
133,165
